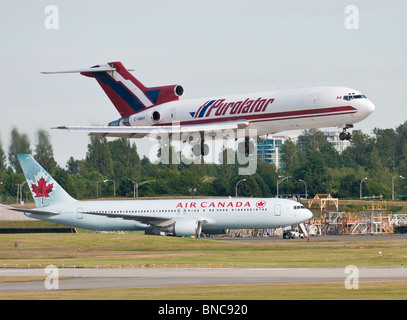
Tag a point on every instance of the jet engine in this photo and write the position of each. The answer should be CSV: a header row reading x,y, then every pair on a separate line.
x,y
155,116
184,228
169,93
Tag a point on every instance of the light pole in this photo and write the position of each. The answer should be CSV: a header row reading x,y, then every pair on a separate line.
x,y
19,191
97,187
136,185
392,185
114,186
193,190
236,186
360,188
306,193
279,181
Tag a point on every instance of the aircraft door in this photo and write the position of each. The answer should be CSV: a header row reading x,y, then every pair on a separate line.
x,y
277,210
80,213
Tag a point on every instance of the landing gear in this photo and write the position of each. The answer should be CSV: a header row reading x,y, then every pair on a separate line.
x,y
246,147
201,149
344,135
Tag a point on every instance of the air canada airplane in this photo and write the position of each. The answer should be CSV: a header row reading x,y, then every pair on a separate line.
x,y
151,110
179,217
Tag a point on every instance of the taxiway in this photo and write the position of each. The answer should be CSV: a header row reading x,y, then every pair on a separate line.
x,y
108,278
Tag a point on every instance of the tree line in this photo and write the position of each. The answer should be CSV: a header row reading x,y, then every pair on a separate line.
x,y
115,167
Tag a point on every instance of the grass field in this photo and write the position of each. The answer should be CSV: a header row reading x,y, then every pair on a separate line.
x,y
136,250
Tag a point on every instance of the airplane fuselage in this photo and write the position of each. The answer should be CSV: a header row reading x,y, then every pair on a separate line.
x,y
267,112
214,214
150,110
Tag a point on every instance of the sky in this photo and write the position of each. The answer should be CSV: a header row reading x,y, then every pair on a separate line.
x,y
210,47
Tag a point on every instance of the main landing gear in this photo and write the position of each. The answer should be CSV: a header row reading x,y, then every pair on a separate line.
x,y
201,149
245,147
344,135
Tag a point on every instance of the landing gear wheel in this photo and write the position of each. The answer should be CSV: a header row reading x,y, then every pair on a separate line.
x,y
200,149
345,135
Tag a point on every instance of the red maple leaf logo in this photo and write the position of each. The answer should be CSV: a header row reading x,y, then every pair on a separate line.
x,y
41,189
261,204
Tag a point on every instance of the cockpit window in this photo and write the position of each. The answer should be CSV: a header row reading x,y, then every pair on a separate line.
x,y
352,96
299,207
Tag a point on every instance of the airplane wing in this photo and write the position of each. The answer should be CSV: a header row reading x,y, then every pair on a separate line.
x,y
142,131
160,222
36,211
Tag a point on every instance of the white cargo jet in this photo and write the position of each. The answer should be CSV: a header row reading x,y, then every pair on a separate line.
x,y
180,217
154,110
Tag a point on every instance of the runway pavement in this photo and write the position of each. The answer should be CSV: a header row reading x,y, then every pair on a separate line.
x,y
160,277
339,237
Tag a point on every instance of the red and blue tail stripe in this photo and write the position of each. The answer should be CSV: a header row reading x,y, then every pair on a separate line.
x,y
129,95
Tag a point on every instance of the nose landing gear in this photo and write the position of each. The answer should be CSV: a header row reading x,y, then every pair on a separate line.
x,y
344,135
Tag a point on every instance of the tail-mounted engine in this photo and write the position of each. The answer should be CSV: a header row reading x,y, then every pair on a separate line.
x,y
164,94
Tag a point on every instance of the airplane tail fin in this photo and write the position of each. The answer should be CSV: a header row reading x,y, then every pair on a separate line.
x,y
45,190
128,95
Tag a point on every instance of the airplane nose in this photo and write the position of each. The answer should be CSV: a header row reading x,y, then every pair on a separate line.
x,y
365,108
308,214
370,107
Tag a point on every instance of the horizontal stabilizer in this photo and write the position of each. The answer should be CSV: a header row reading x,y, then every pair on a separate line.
x,y
98,69
94,69
36,211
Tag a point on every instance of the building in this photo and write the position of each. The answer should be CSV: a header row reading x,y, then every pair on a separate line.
x,y
269,150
